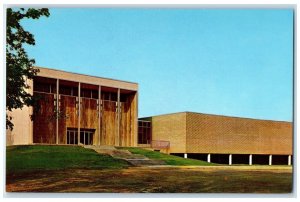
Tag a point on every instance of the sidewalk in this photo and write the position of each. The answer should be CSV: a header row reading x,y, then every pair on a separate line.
x,y
288,169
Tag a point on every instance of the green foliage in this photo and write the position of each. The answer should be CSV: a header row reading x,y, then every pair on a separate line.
x,y
19,66
169,159
29,158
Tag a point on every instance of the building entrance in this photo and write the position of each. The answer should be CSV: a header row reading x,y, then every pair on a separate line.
x,y
86,136
72,136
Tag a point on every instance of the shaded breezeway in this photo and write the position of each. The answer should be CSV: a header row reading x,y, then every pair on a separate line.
x,y
240,159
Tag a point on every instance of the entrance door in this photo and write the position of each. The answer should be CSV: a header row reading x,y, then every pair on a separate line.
x,y
86,136
72,137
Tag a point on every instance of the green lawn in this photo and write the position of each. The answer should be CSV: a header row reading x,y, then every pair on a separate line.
x,y
76,169
169,159
37,157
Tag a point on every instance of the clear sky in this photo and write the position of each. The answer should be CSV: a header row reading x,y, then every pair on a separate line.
x,y
235,62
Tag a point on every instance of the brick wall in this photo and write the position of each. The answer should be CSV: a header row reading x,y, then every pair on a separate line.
x,y
171,127
220,134
202,133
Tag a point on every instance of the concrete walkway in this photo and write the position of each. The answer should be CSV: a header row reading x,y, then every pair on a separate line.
x,y
275,169
133,159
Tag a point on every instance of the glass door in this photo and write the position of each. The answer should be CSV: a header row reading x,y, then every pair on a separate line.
x,y
72,136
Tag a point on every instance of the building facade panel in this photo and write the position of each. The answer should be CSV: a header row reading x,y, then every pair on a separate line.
x,y
22,132
68,118
68,111
171,128
196,133
89,119
231,135
44,118
109,123
133,100
58,74
128,114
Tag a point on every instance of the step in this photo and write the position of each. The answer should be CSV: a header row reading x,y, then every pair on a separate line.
x,y
134,159
101,147
130,156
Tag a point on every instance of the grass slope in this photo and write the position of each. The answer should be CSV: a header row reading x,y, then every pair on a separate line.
x,y
169,159
41,157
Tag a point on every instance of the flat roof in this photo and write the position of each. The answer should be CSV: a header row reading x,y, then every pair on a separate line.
x,y
186,112
88,79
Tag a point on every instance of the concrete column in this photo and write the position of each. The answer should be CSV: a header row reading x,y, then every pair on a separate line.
x,y
99,115
270,160
117,139
79,106
230,159
289,160
208,158
185,156
57,108
250,159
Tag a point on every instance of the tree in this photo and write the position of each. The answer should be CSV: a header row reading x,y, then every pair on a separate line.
x,y
19,67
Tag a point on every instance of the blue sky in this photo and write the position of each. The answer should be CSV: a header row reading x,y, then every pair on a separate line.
x,y
235,62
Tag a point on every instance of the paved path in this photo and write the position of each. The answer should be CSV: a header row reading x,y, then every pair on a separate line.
x,y
281,169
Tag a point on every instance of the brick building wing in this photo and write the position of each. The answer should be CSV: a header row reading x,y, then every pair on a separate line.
x,y
205,136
